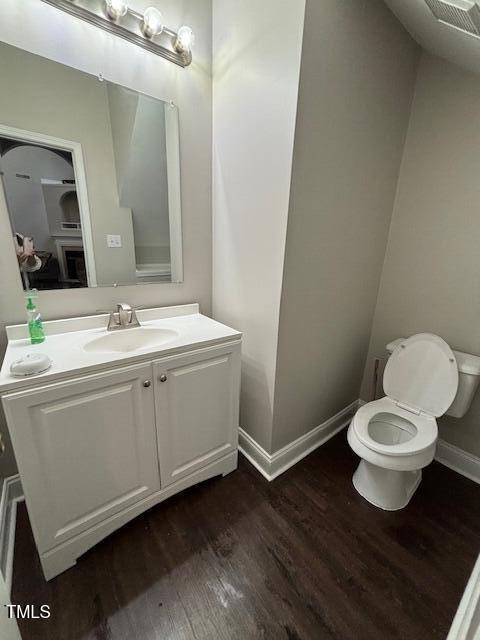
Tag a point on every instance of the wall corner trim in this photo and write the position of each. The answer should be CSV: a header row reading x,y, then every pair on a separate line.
x,y
12,493
271,465
458,460
465,623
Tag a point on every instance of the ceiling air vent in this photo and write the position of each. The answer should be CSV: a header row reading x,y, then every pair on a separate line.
x,y
461,14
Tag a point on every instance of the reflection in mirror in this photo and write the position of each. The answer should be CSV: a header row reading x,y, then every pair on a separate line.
x,y
40,191
91,181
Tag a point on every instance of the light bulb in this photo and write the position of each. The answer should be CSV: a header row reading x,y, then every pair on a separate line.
x,y
116,8
185,40
152,22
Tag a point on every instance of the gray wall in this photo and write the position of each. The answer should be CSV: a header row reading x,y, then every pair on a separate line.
x,y
356,87
92,50
431,278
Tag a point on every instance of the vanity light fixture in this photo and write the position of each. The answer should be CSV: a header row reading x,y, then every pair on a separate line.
x,y
146,30
152,22
185,40
116,8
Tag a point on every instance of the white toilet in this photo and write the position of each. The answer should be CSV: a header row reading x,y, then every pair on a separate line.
x,y
396,436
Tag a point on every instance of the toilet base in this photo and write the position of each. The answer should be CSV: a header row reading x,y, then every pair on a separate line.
x,y
385,488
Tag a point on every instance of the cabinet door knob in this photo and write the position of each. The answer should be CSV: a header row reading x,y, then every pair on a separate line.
x,y
147,383
163,378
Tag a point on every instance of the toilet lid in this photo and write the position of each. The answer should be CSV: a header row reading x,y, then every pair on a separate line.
x,y
422,374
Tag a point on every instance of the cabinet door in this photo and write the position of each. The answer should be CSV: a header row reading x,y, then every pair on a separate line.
x,y
196,398
86,449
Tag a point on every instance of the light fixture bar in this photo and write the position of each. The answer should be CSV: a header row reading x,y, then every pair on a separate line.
x,y
129,27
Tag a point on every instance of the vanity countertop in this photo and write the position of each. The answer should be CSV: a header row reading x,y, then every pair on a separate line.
x,y
66,340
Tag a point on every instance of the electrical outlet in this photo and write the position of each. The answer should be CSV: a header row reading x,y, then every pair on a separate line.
x,y
114,242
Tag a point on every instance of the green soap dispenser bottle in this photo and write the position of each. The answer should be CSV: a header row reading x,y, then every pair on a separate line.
x,y
35,326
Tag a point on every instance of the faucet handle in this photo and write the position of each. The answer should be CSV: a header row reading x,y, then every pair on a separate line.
x,y
125,313
134,322
113,323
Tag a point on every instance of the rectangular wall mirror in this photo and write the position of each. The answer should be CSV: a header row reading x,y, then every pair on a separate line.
x,y
91,176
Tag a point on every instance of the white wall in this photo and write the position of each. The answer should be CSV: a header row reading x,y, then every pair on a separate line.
x,y
356,88
122,105
53,34
257,50
431,277
145,187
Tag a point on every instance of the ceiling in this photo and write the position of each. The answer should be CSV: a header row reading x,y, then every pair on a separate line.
x,y
446,42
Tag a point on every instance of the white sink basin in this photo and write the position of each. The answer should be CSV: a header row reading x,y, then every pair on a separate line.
x,y
127,340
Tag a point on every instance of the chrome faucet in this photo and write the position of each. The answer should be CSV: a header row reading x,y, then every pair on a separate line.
x,y
127,318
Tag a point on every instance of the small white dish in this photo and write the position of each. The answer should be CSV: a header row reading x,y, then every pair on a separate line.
x,y
30,364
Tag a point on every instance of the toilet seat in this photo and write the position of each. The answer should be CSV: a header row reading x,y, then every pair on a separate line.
x,y
395,437
420,381
425,425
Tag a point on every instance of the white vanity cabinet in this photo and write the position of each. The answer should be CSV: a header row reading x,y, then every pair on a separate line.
x,y
86,449
196,400
96,450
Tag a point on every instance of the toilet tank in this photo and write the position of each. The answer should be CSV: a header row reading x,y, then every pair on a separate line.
x,y
468,380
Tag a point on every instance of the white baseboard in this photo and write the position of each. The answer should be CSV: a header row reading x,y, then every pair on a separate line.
x,y
271,465
458,460
466,624
12,493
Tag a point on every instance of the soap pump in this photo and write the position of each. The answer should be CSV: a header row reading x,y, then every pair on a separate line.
x,y
35,326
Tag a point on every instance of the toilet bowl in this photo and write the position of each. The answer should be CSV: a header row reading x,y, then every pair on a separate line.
x,y
396,436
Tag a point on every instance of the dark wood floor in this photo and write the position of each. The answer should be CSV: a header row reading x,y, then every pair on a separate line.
x,y
304,557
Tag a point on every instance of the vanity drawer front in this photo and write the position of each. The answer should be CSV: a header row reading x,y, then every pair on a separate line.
x,y
196,399
86,449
